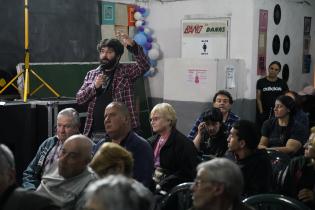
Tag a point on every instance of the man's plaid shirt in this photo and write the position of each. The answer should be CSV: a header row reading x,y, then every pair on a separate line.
x,y
124,79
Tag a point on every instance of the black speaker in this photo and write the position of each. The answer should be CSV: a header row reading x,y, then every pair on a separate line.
x,y
17,130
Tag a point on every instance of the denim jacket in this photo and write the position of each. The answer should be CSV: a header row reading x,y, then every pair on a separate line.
x,y
32,175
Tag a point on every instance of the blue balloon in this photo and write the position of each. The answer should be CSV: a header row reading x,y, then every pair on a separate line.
x,y
140,38
142,10
147,74
145,13
153,63
145,51
137,8
148,46
149,38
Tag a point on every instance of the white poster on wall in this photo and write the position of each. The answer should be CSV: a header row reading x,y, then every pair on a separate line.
x,y
205,38
197,76
190,80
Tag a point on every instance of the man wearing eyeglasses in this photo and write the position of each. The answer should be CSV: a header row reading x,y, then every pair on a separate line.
x,y
218,185
66,185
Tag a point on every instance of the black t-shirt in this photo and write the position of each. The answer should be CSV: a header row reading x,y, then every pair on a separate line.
x,y
279,135
257,172
103,98
270,91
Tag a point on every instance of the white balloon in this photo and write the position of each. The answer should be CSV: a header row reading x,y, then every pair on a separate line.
x,y
147,31
155,45
153,36
154,54
138,23
138,16
153,70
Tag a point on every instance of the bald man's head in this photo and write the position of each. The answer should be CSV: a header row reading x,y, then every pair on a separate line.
x,y
75,156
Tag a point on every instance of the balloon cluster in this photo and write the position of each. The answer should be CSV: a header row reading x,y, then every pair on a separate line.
x,y
143,37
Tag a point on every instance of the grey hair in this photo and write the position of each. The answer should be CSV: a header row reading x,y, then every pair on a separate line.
x,y
6,158
123,109
226,172
116,192
71,112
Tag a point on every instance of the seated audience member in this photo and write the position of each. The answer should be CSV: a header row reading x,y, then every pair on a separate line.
x,y
218,186
115,192
300,179
118,127
175,157
66,185
299,115
211,138
283,133
308,103
223,101
11,196
112,159
68,123
254,163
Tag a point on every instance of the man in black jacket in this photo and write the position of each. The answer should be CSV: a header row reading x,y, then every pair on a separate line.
x,y
254,163
12,197
211,139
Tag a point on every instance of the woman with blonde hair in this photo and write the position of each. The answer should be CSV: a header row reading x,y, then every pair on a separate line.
x,y
175,156
111,158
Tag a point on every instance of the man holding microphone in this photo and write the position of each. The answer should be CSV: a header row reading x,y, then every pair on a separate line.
x,y
111,81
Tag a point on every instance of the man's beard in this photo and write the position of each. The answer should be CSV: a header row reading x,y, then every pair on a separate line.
x,y
108,65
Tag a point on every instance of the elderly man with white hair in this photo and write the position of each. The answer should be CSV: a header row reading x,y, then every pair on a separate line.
x,y
45,160
218,186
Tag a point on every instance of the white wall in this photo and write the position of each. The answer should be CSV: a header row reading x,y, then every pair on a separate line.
x,y
165,19
291,24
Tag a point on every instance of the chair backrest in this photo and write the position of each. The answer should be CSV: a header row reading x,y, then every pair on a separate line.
x,y
179,198
279,162
274,202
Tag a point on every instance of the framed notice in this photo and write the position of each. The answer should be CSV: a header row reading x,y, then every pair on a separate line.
x,y
108,13
306,68
307,25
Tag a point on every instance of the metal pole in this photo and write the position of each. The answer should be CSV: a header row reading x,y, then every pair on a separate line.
x,y
27,52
